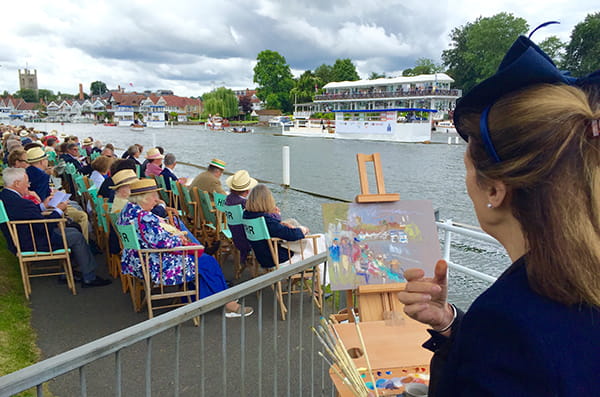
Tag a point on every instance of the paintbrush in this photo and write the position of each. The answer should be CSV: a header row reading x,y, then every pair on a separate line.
x,y
338,354
364,348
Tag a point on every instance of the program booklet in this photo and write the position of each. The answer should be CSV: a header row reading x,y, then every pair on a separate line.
x,y
375,243
59,197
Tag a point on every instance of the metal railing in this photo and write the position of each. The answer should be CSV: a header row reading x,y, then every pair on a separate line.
x,y
448,228
257,364
166,355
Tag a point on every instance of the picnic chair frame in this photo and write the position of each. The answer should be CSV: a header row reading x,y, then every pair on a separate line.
x,y
175,295
256,230
28,260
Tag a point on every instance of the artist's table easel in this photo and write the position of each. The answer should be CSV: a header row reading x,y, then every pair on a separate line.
x,y
394,344
366,197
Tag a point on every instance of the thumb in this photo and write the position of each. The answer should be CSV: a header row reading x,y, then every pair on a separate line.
x,y
440,272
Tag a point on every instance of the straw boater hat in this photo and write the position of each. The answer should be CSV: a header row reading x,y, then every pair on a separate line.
x,y
123,177
143,186
241,181
87,142
154,154
36,154
23,133
63,136
218,163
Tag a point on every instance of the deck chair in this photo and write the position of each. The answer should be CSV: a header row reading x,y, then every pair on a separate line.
x,y
256,230
29,260
159,296
165,194
81,190
52,157
128,283
234,215
175,201
205,226
101,226
222,229
187,207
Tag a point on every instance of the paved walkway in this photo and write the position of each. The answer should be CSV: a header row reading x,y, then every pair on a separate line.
x,y
64,321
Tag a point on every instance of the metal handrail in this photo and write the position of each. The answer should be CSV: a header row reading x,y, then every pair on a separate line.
x,y
450,227
78,357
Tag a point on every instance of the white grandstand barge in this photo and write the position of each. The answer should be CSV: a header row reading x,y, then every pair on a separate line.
x,y
427,94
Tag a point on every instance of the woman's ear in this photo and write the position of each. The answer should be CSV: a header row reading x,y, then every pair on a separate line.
x,y
498,193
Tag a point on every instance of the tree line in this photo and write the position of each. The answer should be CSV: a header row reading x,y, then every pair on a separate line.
x,y
475,52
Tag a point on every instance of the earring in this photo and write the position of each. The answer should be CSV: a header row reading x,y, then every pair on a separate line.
x,y
489,205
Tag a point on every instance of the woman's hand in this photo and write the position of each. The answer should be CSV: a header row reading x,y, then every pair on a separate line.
x,y
425,299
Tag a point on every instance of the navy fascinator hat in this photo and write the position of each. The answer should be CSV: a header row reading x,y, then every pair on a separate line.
x,y
525,64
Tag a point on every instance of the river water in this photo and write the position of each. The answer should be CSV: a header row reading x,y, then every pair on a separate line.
x,y
328,167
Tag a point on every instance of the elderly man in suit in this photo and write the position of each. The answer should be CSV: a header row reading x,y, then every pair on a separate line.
x,y
18,208
39,180
209,180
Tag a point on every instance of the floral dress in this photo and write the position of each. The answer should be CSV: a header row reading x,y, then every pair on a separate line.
x,y
152,235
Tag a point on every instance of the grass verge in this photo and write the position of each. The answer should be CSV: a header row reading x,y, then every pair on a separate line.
x,y
17,339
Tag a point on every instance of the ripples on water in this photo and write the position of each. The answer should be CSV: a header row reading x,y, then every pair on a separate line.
x,y
432,172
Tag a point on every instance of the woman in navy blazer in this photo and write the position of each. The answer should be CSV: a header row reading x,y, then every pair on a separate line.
x,y
533,175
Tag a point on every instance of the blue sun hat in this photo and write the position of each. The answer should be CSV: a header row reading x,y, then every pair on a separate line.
x,y
524,65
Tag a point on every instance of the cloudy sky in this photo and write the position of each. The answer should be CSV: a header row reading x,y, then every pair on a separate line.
x,y
192,46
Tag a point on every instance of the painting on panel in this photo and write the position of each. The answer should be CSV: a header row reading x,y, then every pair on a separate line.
x,y
375,243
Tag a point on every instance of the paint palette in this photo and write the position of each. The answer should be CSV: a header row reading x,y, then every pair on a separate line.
x,y
389,382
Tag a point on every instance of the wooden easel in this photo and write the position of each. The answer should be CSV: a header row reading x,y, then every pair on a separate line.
x,y
373,300
381,196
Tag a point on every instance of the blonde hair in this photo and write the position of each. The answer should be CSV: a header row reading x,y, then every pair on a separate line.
x,y
140,199
260,199
551,163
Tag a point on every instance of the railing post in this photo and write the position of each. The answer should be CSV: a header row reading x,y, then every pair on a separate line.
x,y
447,240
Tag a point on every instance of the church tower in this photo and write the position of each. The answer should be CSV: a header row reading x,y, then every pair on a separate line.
x,y
28,80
